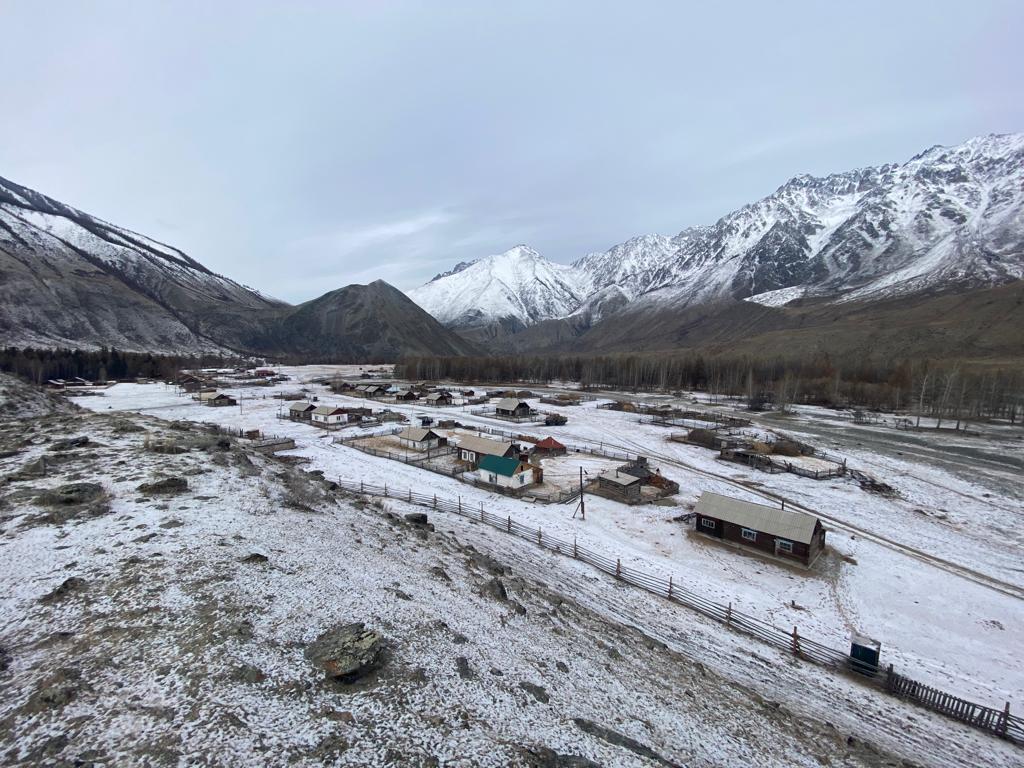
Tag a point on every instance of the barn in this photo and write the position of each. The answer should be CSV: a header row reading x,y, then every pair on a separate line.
x,y
439,398
216,399
406,395
783,533
620,485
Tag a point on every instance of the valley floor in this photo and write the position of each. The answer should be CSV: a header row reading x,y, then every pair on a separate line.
x,y
182,645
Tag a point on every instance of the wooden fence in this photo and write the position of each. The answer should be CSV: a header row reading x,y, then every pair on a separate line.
x,y
1001,724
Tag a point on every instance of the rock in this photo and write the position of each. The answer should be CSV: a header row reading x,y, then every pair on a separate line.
x,y
561,666
340,716
70,443
181,426
440,573
255,557
169,485
497,672
72,494
537,691
620,740
171,524
347,652
545,757
462,665
496,589
247,673
67,587
417,518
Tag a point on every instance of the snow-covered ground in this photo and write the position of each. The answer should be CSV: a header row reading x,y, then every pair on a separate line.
x,y
935,575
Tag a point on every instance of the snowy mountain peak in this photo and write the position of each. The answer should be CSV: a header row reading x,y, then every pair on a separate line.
x,y
948,218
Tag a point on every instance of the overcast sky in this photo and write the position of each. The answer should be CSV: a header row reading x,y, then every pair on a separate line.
x,y
298,147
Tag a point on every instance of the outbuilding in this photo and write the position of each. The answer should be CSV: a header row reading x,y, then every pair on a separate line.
x,y
420,439
439,398
406,395
784,533
216,399
505,472
301,411
549,447
620,485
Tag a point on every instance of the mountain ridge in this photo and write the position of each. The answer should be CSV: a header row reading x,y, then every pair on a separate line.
x,y
949,218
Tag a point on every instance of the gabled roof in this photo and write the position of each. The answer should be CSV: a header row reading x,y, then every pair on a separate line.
x,y
549,443
510,403
328,410
438,395
418,434
501,465
775,521
301,407
483,446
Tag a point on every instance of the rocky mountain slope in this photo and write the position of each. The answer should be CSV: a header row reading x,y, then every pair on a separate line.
x,y
71,280
951,218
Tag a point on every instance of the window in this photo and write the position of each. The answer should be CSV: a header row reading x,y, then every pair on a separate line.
x,y
749,534
783,545
707,523
494,478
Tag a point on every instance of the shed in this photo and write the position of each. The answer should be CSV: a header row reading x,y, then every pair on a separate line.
x,y
301,411
620,484
549,447
439,398
406,395
420,439
794,536
473,449
506,472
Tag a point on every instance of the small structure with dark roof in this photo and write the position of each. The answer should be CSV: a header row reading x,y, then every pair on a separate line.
x,y
620,485
513,408
549,447
783,533
301,411
439,398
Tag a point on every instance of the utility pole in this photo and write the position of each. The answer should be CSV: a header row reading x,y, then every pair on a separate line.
x,y
581,507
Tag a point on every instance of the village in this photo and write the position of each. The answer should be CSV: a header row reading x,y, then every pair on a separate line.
x,y
811,526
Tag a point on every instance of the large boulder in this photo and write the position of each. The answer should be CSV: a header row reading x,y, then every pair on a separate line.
x,y
72,494
167,486
347,652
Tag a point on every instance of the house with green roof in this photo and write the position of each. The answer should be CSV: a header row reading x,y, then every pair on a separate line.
x,y
507,472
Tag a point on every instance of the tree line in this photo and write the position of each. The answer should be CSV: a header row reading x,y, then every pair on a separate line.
x,y
947,391
41,365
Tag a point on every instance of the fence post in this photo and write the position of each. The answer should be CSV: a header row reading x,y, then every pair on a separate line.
x,y
360,486
435,501
1003,721
481,512
385,490
728,616
410,495
509,528
618,568
539,536
669,587
796,643
460,504
575,551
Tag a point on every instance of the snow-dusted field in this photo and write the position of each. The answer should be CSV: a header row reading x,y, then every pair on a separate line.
x,y
935,575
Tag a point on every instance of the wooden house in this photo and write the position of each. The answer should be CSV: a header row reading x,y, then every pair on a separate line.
x,y
301,411
513,408
438,398
473,449
787,534
328,416
420,439
406,395
506,472
216,399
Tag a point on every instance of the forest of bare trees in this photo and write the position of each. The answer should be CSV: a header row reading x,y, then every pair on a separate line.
x,y
947,391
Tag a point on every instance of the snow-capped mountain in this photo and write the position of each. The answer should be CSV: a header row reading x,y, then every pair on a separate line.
x,y
68,279
513,290
951,217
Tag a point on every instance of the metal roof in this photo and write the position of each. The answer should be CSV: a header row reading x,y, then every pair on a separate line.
x,y
418,434
510,404
501,465
301,407
483,446
327,410
775,521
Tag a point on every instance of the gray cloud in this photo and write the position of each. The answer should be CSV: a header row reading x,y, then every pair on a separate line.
x,y
301,146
